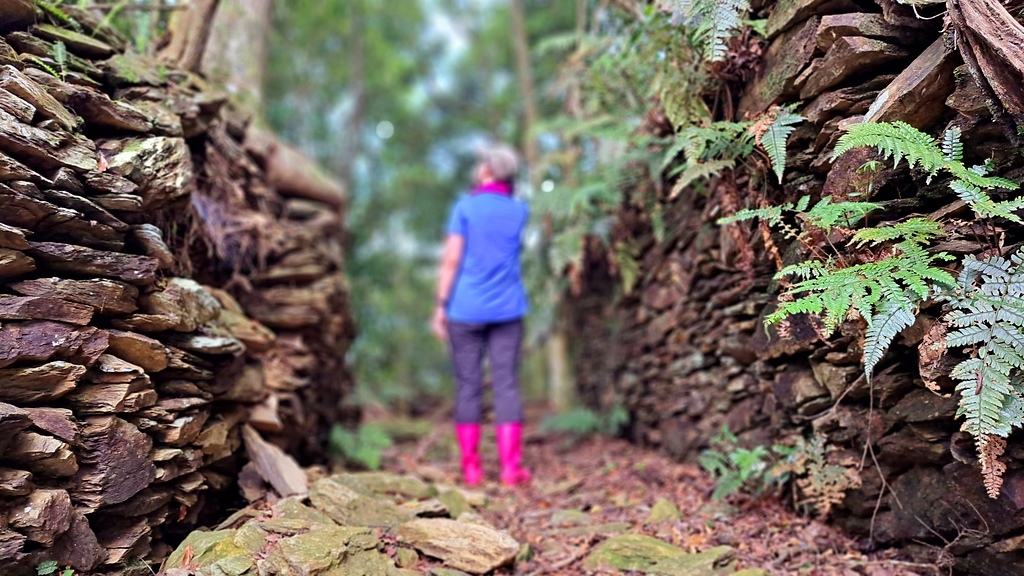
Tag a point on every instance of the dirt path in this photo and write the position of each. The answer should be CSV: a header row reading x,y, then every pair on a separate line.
x,y
586,491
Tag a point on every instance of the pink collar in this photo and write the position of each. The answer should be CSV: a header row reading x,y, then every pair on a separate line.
x,y
495,187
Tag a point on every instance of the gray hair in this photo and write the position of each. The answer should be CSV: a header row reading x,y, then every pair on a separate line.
x,y
502,161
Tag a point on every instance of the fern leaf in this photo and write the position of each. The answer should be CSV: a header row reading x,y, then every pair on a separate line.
x,y
918,230
826,215
952,147
896,140
770,214
892,319
775,137
988,314
672,152
699,171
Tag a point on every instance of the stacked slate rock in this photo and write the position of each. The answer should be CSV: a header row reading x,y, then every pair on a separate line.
x,y
135,340
687,352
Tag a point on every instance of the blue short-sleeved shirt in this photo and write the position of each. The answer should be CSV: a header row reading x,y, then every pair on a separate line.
x,y
489,286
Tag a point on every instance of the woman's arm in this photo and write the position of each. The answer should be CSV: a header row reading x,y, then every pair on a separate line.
x,y
449,269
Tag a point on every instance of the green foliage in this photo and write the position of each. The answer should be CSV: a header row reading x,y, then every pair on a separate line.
x,y
734,468
916,230
708,150
774,139
60,56
46,568
884,291
899,140
713,22
826,215
49,69
896,140
987,317
363,446
59,15
582,422
821,483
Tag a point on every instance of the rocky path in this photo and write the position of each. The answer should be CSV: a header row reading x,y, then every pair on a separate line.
x,y
596,506
590,494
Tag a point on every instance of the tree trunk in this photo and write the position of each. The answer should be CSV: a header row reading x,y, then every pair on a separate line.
x,y
560,383
524,74
190,34
236,52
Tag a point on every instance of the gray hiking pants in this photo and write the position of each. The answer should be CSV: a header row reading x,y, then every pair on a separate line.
x,y
502,341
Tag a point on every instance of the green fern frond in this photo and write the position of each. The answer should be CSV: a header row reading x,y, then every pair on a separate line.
x,y
701,170
770,214
900,140
672,152
896,140
983,204
50,69
952,147
774,139
826,215
918,230
59,15
988,316
892,318
717,140
713,22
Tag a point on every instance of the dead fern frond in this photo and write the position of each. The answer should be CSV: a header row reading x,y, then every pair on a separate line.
x,y
990,448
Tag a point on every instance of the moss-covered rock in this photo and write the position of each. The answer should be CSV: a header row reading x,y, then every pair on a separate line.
x,y
432,508
215,553
406,557
652,556
664,511
348,507
328,551
456,503
251,537
382,483
293,508
468,547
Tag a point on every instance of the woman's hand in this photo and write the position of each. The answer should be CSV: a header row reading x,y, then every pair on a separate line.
x,y
439,323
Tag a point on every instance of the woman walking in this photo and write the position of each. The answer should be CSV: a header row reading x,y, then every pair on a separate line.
x,y
480,306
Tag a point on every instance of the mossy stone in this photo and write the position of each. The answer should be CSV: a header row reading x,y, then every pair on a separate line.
x,y
455,501
293,508
324,550
382,483
215,553
652,556
251,537
350,508
406,557
664,510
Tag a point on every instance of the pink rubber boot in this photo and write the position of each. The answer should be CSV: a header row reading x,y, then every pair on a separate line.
x,y
468,436
510,451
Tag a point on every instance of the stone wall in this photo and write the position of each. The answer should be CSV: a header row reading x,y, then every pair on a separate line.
x,y
688,348
157,292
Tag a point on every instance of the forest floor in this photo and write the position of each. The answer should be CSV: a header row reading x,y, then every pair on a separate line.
x,y
585,490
